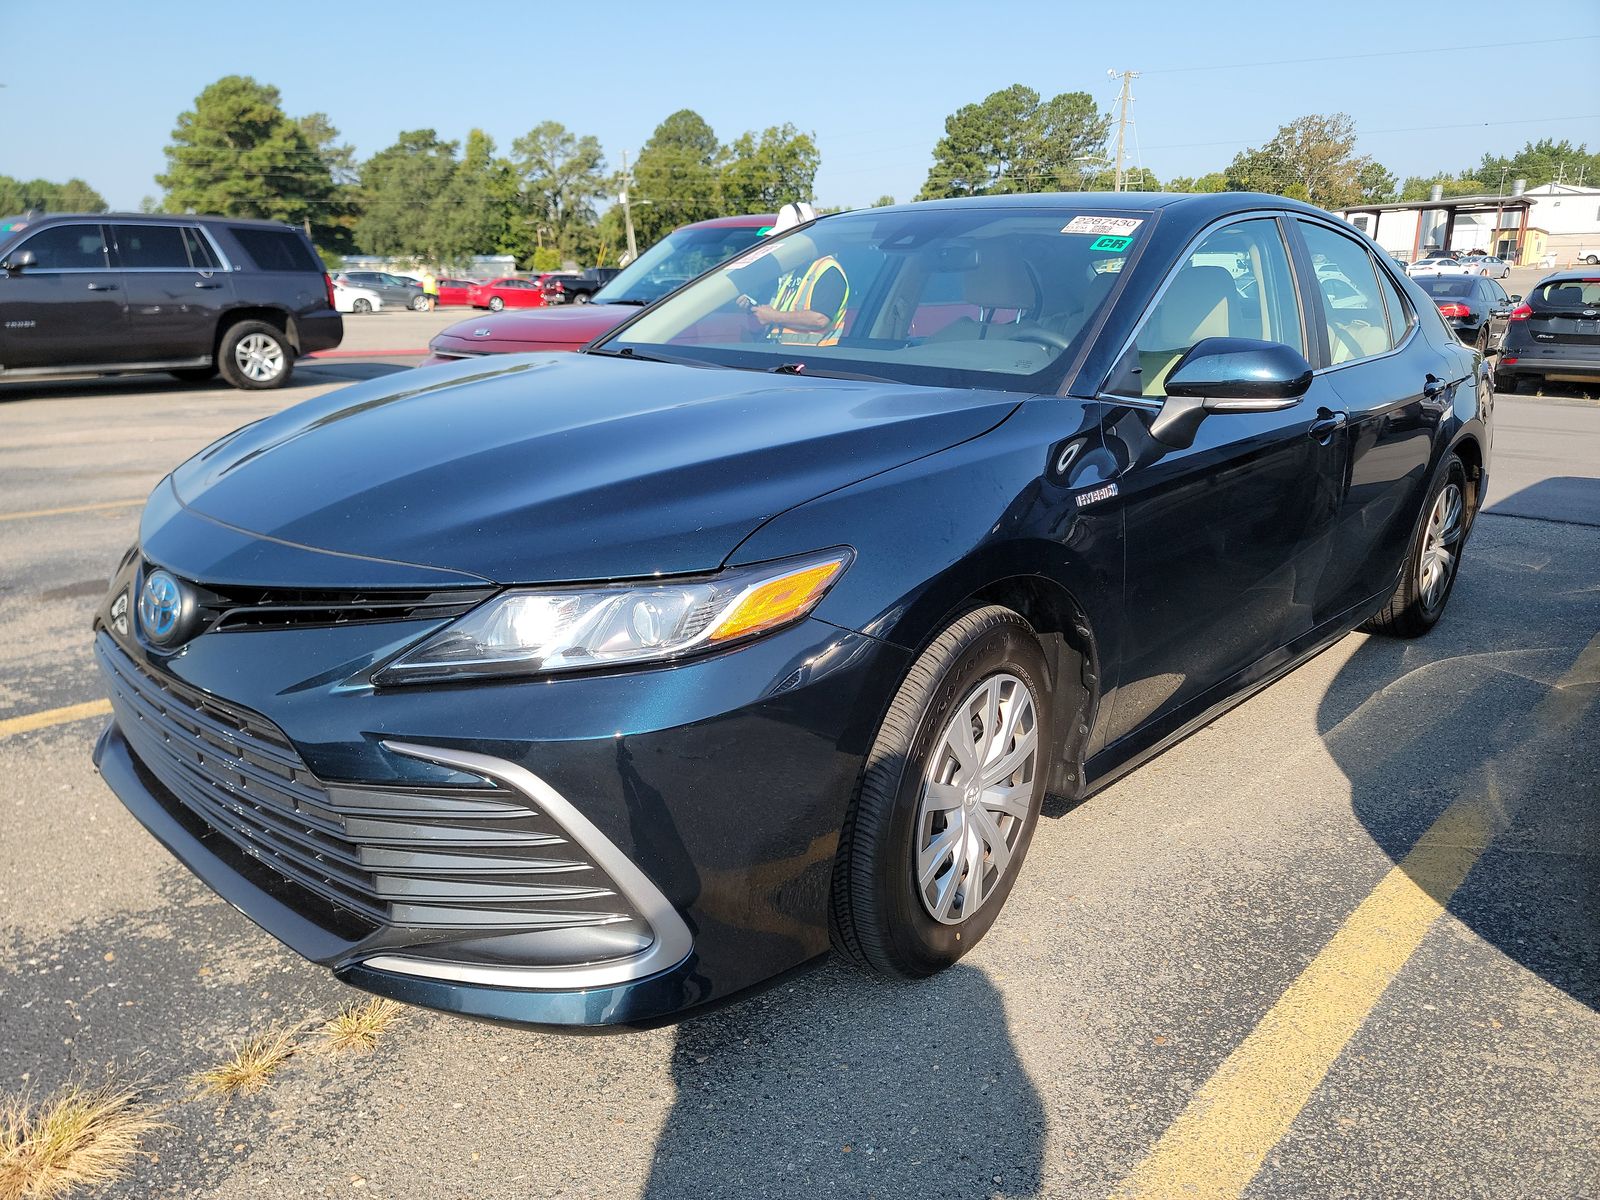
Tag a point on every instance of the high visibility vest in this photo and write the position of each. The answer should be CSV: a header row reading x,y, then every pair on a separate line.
x,y
794,294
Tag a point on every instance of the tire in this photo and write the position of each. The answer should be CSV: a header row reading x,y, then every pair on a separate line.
x,y
361,305
1506,384
255,356
1419,600
496,304
1529,384
1593,260
581,298
1482,344
879,916
195,374
419,304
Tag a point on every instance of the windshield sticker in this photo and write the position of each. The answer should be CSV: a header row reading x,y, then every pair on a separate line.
x,y
1107,242
1116,226
749,256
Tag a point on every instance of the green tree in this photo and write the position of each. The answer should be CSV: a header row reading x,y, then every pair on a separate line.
x,y
1213,181
1420,187
1544,161
1312,158
675,180
1377,183
237,154
401,189
76,196
1011,141
762,173
883,201
560,177
472,214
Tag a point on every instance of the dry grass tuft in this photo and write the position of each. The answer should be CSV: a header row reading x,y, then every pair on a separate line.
x,y
359,1026
254,1061
81,1136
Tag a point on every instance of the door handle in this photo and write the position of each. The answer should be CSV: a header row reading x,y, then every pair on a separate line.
x,y
1433,388
102,287
201,283
1327,424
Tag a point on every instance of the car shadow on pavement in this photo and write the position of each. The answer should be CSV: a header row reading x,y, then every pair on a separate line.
x,y
1498,705
1572,498
836,1084
308,371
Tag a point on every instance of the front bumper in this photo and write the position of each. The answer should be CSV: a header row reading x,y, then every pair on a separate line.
x,y
707,798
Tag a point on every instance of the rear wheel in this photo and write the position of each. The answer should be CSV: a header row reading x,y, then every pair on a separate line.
x,y
948,800
419,304
1434,560
496,304
580,298
255,356
1482,344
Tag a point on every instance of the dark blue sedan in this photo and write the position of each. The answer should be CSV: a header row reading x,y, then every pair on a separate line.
x,y
592,689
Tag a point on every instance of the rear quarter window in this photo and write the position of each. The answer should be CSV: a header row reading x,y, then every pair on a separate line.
x,y
275,249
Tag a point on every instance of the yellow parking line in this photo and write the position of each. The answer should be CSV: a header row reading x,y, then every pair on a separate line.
x,y
71,508
54,716
1218,1143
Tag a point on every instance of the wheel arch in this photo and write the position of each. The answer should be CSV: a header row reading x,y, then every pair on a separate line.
x,y
275,317
1470,451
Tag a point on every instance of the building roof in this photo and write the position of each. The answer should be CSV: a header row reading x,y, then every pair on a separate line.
x,y
1487,200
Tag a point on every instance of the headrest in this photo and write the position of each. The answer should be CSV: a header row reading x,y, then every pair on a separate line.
x,y
1000,280
1197,305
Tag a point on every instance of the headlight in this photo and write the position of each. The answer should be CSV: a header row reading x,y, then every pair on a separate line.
x,y
553,630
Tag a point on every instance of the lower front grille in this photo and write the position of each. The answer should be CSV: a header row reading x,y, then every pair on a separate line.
x,y
477,858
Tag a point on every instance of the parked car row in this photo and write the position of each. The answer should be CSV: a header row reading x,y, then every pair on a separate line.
x,y
1491,265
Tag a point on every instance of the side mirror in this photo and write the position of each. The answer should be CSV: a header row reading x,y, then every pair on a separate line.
x,y
1517,299
1229,375
19,261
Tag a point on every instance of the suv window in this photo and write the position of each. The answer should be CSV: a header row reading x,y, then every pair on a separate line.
x,y
201,256
68,248
275,249
146,247
1236,283
1356,318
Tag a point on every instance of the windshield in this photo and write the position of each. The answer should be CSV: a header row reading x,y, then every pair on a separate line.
x,y
674,260
948,297
1454,285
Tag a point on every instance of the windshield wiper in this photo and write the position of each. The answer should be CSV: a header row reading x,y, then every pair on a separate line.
x,y
800,368
633,300
640,356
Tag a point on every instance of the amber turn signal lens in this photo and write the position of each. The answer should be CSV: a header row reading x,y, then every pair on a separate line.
x,y
778,601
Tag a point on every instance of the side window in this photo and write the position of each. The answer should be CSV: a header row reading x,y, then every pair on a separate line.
x,y
1236,283
1399,311
146,247
201,256
1352,301
68,248
275,249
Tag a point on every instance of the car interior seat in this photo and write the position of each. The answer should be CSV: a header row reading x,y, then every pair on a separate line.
x,y
1001,281
1199,304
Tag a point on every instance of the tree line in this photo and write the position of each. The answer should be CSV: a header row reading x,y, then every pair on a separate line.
x,y
548,198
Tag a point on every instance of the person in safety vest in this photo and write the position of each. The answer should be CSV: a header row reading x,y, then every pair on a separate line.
x,y
430,289
809,306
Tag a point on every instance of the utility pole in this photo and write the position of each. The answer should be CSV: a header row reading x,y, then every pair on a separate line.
x,y
1124,98
627,213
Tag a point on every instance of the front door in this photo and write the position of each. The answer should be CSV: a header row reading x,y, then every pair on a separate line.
x,y
176,289
1226,538
66,308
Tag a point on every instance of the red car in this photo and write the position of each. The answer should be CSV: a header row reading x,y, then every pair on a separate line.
x,y
508,292
670,263
455,291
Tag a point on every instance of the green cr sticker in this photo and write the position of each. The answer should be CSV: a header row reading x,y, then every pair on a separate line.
x,y
1111,243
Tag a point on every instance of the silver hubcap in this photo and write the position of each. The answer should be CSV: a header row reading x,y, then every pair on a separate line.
x,y
1440,545
259,356
975,798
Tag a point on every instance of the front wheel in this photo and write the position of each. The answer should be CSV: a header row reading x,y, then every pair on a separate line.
x,y
1434,560
255,356
948,800
419,304
580,298
360,305
496,304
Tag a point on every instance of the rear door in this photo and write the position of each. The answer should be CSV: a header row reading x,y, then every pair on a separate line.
x,y
1394,385
176,288
67,308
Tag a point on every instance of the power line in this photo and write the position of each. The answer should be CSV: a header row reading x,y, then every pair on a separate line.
x,y
1282,62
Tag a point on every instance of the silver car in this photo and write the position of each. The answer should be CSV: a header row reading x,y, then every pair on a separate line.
x,y
1486,264
392,289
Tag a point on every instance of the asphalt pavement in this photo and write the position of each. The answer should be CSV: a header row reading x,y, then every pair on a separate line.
x,y
1342,942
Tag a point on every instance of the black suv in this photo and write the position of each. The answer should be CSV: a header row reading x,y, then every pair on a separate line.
x,y
110,293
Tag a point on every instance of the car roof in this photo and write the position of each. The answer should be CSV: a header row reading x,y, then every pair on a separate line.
x,y
150,219
1574,276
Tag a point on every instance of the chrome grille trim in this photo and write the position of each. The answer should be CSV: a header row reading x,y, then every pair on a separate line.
x,y
671,942
476,859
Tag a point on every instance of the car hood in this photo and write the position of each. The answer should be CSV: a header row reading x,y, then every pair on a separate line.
x,y
563,325
561,467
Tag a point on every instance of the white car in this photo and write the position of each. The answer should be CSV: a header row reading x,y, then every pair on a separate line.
x,y
348,298
1439,265
1486,264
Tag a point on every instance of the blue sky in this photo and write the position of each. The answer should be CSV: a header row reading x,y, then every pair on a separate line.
x,y
92,89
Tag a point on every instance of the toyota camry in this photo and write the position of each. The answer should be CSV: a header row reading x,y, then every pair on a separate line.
x,y
594,689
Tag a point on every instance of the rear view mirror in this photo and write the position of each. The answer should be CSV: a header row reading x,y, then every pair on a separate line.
x,y
19,261
1229,375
